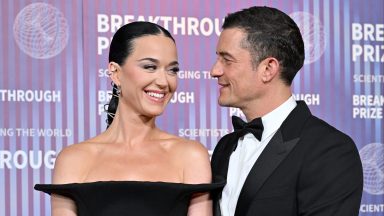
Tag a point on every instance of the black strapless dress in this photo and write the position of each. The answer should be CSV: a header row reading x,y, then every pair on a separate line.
x,y
130,198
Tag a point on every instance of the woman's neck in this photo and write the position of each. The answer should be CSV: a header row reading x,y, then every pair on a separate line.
x,y
129,127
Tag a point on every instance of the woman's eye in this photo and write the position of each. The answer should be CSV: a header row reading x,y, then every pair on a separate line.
x,y
150,67
175,70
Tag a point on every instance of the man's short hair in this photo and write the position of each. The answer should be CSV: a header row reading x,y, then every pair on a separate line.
x,y
270,33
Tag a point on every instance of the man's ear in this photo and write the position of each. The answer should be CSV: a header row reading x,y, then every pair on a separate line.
x,y
270,68
114,72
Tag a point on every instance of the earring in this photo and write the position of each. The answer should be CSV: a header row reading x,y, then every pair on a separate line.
x,y
117,88
110,114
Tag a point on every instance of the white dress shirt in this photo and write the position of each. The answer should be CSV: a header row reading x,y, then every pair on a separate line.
x,y
247,151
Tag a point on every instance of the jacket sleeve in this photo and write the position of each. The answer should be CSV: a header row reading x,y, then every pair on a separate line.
x,y
331,179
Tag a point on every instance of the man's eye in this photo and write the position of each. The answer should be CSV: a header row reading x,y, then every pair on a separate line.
x,y
227,61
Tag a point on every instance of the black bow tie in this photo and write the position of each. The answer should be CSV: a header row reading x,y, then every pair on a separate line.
x,y
255,127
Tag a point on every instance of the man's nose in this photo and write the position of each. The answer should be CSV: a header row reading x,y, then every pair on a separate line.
x,y
216,70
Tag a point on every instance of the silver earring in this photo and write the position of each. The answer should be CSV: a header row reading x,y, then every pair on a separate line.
x,y
112,115
118,90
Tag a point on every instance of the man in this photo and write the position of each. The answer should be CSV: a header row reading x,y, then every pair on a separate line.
x,y
299,164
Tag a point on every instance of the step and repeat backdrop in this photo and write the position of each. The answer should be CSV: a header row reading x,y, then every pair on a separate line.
x,y
54,81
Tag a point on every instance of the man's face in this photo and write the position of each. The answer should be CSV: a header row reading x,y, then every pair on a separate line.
x,y
238,79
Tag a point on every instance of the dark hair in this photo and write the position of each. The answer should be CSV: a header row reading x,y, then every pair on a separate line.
x,y
270,33
122,46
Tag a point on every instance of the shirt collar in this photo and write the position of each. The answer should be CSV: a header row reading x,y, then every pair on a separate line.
x,y
273,120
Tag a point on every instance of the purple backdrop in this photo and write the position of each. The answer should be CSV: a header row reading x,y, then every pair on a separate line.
x,y
53,84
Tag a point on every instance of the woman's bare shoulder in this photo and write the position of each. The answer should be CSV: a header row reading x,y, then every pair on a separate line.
x,y
186,146
191,153
194,149
77,151
195,159
74,161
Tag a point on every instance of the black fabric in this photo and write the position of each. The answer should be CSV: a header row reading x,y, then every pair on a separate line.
x,y
308,168
133,198
241,128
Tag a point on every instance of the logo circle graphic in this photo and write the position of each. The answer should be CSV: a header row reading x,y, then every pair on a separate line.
x,y
372,158
40,30
313,34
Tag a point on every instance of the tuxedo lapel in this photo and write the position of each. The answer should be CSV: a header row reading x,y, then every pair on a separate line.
x,y
219,164
274,153
277,149
270,158
221,155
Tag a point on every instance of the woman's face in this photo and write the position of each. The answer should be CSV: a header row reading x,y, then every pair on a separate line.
x,y
148,78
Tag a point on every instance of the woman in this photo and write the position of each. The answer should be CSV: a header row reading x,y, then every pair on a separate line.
x,y
134,168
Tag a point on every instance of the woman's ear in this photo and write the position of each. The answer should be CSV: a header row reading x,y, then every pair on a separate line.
x,y
114,71
271,68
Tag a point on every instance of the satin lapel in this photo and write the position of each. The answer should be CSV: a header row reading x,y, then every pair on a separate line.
x,y
269,159
277,149
219,164
221,155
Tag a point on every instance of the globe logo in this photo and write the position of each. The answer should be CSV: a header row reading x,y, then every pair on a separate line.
x,y
312,31
372,158
41,30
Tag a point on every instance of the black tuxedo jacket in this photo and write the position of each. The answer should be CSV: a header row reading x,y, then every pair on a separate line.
x,y
309,168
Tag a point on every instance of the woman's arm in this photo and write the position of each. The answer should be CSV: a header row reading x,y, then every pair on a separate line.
x,y
62,206
68,169
197,170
